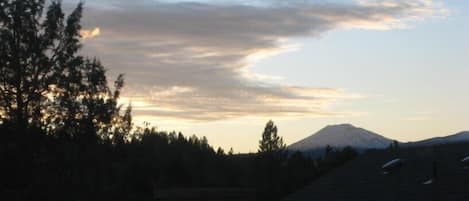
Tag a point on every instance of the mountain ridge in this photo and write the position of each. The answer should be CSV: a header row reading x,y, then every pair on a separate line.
x,y
462,136
342,135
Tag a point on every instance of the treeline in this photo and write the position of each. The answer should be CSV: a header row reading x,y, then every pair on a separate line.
x,y
37,166
63,136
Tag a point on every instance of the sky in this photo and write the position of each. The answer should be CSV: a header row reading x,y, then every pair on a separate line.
x,y
222,69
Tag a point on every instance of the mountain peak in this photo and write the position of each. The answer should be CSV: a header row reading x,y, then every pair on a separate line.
x,y
345,125
342,135
340,127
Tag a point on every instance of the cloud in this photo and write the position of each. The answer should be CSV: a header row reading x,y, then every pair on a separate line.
x,y
86,34
191,60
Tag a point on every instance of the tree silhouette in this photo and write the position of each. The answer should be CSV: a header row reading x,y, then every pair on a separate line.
x,y
44,82
122,126
270,141
328,150
30,51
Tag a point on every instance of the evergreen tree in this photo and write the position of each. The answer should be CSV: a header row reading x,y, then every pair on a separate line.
x,y
122,126
31,48
328,150
220,151
44,82
271,141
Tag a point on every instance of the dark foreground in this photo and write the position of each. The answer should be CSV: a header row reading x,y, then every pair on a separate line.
x,y
151,166
363,180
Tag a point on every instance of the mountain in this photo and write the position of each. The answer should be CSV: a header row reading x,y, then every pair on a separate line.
x,y
451,139
341,136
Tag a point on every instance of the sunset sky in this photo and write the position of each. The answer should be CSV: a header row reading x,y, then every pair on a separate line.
x,y
222,69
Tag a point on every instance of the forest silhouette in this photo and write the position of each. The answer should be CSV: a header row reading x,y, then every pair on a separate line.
x,y
65,137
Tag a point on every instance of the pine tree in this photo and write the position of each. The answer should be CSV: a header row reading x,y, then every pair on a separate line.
x,y
44,82
31,49
271,141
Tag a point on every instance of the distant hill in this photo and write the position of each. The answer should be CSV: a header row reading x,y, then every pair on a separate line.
x,y
342,135
451,139
339,136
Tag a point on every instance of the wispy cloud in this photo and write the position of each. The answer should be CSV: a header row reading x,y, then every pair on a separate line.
x,y
190,60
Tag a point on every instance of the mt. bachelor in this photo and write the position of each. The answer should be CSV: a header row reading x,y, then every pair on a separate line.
x,y
341,136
